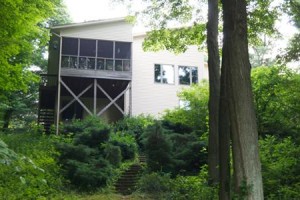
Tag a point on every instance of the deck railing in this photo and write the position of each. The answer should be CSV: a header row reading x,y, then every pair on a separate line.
x,y
91,63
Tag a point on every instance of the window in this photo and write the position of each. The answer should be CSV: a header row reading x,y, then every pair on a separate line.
x,y
187,75
164,74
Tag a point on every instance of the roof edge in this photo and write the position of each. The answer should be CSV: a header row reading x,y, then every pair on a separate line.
x,y
87,23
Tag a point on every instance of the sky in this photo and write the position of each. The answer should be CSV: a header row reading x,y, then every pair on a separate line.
x,y
86,10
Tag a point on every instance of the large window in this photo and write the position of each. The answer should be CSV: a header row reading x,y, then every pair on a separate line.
x,y
187,75
96,54
164,74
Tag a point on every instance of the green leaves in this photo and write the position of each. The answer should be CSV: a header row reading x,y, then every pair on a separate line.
x,y
22,31
276,94
176,40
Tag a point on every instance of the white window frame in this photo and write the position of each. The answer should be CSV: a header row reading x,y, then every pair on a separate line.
x,y
191,75
161,75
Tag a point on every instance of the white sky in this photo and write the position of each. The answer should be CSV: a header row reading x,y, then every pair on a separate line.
x,y
86,10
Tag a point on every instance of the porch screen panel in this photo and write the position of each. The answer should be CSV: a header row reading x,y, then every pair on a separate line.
x,y
87,47
105,49
123,50
70,46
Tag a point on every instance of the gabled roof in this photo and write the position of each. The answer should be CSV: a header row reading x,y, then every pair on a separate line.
x,y
87,23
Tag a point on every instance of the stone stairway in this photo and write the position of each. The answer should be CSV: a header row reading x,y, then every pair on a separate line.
x,y
127,182
46,118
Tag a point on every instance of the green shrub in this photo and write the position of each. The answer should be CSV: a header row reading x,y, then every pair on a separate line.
x,y
280,168
127,144
83,160
158,149
175,153
30,171
195,113
113,154
134,126
155,183
193,187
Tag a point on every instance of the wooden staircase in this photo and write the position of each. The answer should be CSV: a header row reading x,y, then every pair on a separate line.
x,y
127,182
46,118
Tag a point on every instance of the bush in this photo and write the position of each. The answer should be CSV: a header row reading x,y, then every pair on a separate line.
x,y
134,126
192,188
155,183
83,159
162,186
113,154
158,149
280,168
29,169
195,113
175,153
126,143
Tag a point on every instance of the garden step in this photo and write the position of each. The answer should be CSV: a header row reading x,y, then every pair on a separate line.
x,y
128,180
142,158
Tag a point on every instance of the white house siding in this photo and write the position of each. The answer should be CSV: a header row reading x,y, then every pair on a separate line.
x,y
117,31
153,98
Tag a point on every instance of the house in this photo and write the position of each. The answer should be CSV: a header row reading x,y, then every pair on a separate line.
x,y
99,68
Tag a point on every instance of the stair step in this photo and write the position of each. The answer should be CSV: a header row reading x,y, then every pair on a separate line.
x,y
128,180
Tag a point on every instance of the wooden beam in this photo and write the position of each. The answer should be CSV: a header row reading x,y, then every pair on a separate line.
x,y
130,100
107,95
114,100
78,96
58,87
75,97
95,96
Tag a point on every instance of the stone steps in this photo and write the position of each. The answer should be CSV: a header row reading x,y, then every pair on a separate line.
x,y
126,184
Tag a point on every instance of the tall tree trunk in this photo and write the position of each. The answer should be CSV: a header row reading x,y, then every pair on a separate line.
x,y
224,138
214,90
247,167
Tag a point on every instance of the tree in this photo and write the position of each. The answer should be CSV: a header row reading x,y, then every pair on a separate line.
x,y
235,62
292,8
276,95
214,90
24,39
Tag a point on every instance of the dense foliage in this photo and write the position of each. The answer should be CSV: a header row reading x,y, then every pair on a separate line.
x,y
24,35
173,152
83,159
280,167
28,168
276,94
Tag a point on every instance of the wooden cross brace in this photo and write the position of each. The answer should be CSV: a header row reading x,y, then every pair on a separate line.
x,y
76,98
112,101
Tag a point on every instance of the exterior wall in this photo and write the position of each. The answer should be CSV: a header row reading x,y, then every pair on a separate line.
x,y
117,31
153,98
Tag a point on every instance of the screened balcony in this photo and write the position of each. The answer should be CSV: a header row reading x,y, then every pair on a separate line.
x,y
96,58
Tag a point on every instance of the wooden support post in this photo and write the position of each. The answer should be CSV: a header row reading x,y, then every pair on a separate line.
x,y
76,98
58,87
58,105
95,96
130,100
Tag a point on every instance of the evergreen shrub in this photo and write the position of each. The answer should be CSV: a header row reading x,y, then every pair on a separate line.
x,y
83,160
